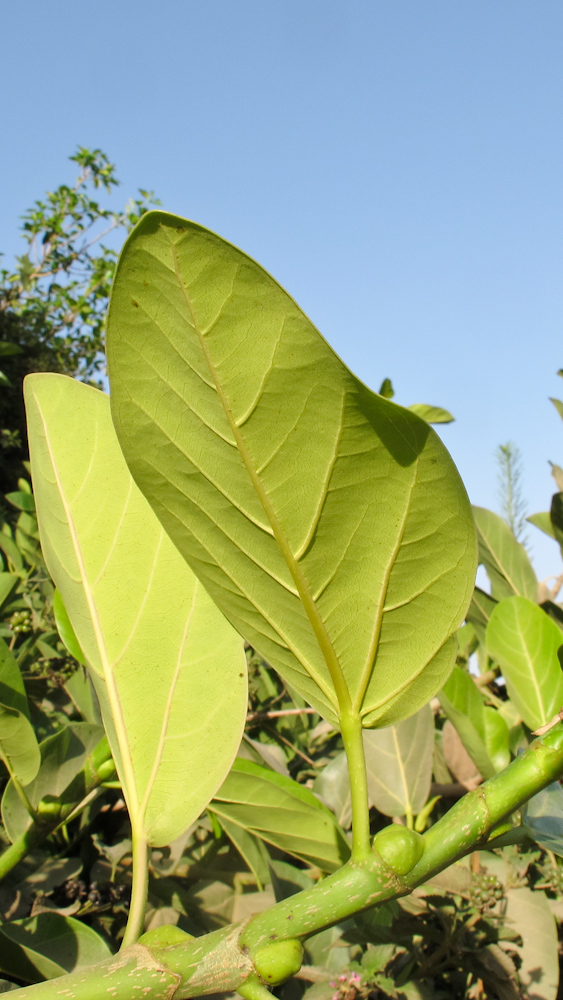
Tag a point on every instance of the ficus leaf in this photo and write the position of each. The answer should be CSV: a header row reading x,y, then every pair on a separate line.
x,y
504,557
18,744
432,414
482,730
399,764
525,641
281,812
62,757
329,524
169,670
48,945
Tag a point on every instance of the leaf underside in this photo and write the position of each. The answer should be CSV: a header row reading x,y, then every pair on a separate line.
x,y
328,524
169,670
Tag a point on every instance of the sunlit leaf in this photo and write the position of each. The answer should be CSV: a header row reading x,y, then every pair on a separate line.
x,y
482,730
432,414
542,520
329,524
524,641
169,671
504,558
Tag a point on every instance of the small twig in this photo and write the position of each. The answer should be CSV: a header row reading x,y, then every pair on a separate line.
x,y
258,716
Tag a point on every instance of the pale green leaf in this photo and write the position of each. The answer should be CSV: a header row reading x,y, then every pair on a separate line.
x,y
65,629
169,671
432,414
281,812
399,764
483,732
504,558
329,524
524,641
558,405
333,787
528,913
542,520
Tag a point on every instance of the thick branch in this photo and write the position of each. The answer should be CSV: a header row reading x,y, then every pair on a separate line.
x,y
221,961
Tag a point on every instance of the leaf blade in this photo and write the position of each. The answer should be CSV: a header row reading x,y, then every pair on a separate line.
x,y
263,462
140,617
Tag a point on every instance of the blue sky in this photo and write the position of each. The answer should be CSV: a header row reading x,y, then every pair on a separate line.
x,y
396,164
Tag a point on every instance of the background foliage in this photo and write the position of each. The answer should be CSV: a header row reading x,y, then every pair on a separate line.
x,y
486,927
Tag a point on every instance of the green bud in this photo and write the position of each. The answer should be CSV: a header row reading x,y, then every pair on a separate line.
x,y
276,962
106,770
49,807
399,847
165,936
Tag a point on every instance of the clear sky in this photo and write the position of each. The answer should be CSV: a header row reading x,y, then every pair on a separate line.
x,y
396,164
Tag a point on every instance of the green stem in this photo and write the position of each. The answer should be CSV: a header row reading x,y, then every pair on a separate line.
x,y
96,769
22,796
352,735
139,889
222,961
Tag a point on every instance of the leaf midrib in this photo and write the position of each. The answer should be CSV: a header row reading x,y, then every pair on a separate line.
x,y
113,694
318,626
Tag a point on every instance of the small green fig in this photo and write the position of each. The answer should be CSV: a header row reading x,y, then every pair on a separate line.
x,y
106,770
276,962
49,807
399,847
163,937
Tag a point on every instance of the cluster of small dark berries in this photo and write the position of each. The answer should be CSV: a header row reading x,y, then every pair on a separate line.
x,y
553,875
20,621
486,891
98,895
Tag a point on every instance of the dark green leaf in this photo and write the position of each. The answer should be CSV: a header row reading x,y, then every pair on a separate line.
x,y
47,946
542,818
21,500
282,813
62,757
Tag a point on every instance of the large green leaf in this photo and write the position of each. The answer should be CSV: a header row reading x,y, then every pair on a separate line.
x,y
482,730
169,670
329,524
281,812
524,641
504,558
18,744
